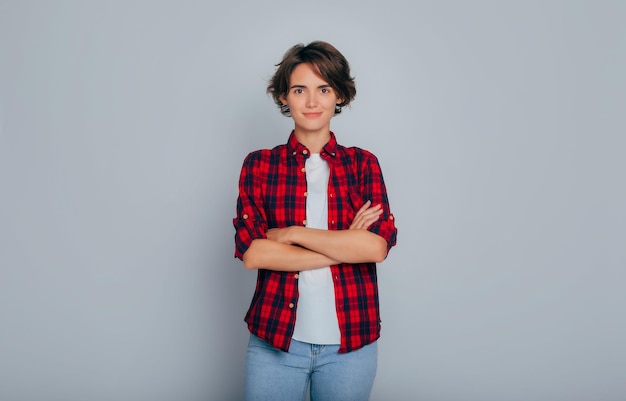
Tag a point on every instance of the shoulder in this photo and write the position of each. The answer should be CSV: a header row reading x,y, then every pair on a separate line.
x,y
357,154
264,155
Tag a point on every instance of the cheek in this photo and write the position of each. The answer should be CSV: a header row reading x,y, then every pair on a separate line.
x,y
332,103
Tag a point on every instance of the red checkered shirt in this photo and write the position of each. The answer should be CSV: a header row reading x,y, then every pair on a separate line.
x,y
272,194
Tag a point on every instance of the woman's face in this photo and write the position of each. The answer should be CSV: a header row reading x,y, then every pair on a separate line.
x,y
311,100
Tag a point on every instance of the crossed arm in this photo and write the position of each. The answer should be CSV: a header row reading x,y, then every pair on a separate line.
x,y
318,248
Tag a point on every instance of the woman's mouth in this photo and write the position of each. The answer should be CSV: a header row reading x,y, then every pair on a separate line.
x,y
312,115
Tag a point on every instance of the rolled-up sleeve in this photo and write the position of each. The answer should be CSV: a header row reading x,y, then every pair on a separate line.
x,y
250,222
373,188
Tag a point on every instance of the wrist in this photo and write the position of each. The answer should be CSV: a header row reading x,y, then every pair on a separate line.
x,y
293,236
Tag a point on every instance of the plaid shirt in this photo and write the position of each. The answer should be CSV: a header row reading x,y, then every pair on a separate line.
x,y
272,194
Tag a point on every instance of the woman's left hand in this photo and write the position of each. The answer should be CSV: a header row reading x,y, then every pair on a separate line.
x,y
281,235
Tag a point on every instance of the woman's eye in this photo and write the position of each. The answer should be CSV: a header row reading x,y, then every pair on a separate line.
x,y
298,90
325,90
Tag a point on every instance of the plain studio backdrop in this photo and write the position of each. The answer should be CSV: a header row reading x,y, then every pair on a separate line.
x,y
500,129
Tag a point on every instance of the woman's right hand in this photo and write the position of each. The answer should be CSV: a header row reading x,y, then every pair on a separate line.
x,y
366,215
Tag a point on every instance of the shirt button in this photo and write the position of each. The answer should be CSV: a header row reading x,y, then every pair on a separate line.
x,y
245,216
333,153
302,170
306,194
294,152
331,195
291,305
304,222
332,222
391,217
304,152
296,276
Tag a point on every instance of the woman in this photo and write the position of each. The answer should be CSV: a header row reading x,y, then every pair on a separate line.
x,y
313,218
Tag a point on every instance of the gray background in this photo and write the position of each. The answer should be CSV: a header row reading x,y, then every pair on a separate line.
x,y
500,129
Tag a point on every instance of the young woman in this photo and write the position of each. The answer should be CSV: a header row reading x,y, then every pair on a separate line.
x,y
313,218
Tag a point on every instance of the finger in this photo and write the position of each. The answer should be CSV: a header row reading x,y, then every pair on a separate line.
x,y
357,222
374,210
367,211
363,208
357,218
368,218
365,220
371,212
369,221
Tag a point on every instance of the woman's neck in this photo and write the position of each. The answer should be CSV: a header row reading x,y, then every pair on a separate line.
x,y
314,141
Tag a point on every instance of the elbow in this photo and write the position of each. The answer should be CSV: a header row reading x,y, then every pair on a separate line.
x,y
250,256
249,261
379,252
380,256
374,250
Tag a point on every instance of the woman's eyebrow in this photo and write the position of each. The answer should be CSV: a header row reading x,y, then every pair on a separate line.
x,y
304,86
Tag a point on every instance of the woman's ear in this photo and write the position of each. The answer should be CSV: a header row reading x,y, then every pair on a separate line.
x,y
282,99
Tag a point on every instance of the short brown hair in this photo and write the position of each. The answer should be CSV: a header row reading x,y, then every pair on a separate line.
x,y
330,64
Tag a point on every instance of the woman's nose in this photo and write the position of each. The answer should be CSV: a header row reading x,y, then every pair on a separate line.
x,y
311,100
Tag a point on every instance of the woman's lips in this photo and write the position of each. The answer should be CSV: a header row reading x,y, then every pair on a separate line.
x,y
312,115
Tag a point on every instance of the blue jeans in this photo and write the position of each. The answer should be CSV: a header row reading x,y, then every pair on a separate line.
x,y
274,375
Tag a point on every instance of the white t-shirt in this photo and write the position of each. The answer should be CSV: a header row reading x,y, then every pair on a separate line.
x,y
316,316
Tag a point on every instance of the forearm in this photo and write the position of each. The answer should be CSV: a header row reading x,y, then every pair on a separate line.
x,y
346,246
268,254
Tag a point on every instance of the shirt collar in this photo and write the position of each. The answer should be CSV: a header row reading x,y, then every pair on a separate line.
x,y
329,150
